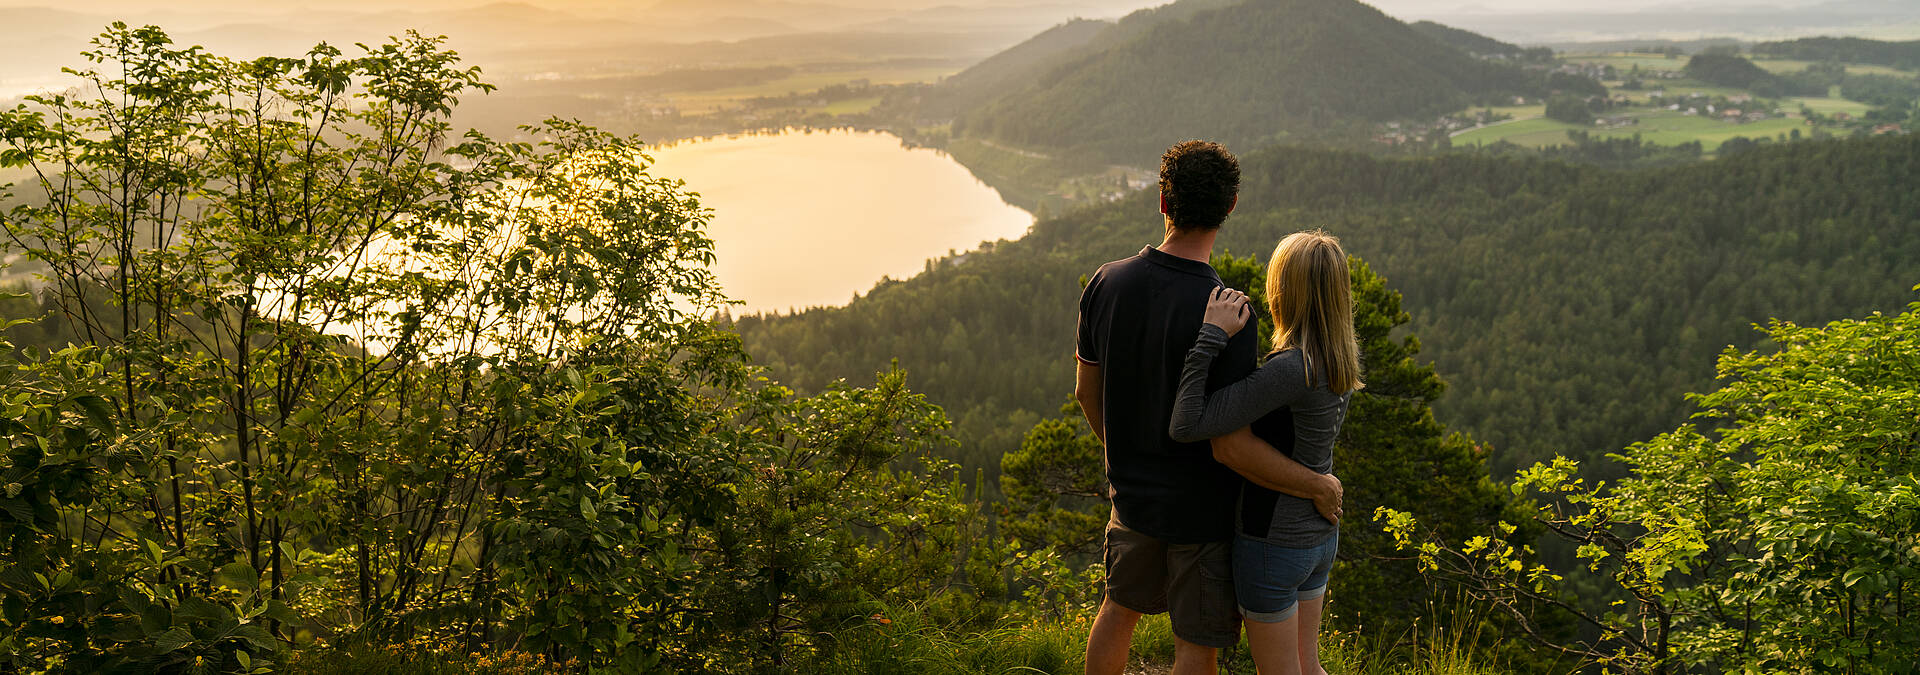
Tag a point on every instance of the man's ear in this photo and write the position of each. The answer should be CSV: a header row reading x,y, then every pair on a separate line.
x,y
1235,204
1163,203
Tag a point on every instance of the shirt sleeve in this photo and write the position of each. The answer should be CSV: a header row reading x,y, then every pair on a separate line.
x,y
1198,416
1084,335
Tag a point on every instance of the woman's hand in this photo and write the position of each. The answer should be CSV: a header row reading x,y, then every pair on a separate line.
x,y
1228,309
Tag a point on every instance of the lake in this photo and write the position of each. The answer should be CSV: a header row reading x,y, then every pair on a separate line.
x,y
807,219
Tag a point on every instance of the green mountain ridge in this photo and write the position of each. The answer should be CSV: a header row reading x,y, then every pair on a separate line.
x,y
1468,41
1250,72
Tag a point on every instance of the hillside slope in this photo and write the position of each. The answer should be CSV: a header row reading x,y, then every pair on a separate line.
x,y
1569,307
1468,41
1242,73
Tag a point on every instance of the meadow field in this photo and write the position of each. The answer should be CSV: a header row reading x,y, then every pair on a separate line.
x,y
1661,128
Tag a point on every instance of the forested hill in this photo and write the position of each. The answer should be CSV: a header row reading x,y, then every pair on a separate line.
x,y
1570,308
1243,73
1469,41
1007,67
1903,55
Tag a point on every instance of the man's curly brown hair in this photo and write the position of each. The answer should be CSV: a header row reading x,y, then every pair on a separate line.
x,y
1199,180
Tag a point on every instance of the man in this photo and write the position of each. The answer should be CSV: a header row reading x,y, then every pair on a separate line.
x,y
1168,541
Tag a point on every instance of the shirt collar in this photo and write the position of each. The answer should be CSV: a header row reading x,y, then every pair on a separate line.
x,y
1164,259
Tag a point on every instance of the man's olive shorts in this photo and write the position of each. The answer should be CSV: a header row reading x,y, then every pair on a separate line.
x,y
1193,582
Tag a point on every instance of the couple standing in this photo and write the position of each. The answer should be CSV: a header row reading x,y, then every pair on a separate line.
x,y
1166,372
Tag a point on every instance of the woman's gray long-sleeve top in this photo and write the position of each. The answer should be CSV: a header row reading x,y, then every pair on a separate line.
x,y
1280,383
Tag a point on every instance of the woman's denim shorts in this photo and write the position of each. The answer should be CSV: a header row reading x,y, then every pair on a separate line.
x,y
1270,581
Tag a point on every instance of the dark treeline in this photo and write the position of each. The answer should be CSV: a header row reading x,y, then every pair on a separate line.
x,y
1729,70
1570,307
1903,55
1619,153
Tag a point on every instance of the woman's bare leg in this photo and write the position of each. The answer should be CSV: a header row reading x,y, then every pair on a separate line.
x,y
1309,635
1276,646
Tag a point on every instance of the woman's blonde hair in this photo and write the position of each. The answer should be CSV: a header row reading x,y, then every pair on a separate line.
x,y
1311,299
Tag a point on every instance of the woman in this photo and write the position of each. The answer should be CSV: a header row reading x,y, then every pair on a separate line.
x,y
1284,548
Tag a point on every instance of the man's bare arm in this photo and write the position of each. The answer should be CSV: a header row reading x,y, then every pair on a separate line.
x,y
1087,383
1259,462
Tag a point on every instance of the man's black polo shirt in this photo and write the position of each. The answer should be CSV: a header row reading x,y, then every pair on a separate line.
x,y
1138,318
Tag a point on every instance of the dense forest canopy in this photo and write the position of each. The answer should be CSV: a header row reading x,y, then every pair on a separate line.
x,y
1902,55
1729,70
1569,308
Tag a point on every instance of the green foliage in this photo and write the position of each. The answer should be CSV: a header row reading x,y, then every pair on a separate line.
x,y
309,370
1055,487
1779,538
1579,85
1730,70
1611,152
1569,108
1903,55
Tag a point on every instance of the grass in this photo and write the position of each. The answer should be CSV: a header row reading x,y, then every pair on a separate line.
x,y
416,659
909,647
1657,127
1829,106
1534,133
912,645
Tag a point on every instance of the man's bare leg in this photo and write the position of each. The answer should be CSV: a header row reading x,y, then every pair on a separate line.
x,y
1192,659
1309,616
1111,639
1276,646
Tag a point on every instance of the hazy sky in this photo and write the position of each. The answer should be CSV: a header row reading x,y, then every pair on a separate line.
x,y
1397,7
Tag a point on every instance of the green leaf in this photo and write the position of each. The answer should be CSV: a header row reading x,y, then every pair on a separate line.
x,y
238,576
256,635
155,619
18,508
99,412
173,639
279,611
197,609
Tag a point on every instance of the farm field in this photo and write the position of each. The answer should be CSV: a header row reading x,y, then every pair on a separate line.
x,y
1655,62
1829,106
1661,128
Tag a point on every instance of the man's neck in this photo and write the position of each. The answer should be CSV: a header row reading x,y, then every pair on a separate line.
x,y
1189,245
